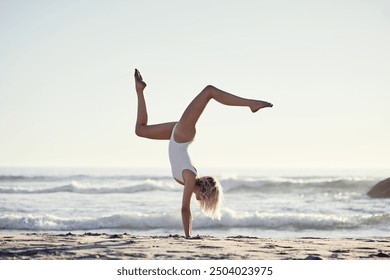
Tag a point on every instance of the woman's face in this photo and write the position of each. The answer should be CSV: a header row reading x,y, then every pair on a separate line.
x,y
197,193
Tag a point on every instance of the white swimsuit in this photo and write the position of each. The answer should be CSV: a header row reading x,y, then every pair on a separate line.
x,y
179,158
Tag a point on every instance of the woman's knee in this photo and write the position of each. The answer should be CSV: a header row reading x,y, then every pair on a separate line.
x,y
140,130
208,91
209,88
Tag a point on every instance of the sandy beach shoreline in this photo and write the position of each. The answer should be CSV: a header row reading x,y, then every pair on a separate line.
x,y
91,246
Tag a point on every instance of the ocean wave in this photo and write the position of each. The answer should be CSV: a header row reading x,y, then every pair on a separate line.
x,y
141,184
261,184
230,219
39,178
297,221
76,177
136,221
79,188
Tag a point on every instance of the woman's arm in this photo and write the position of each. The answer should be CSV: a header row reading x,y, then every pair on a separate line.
x,y
189,185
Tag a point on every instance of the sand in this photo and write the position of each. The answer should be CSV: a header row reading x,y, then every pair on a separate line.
x,y
93,246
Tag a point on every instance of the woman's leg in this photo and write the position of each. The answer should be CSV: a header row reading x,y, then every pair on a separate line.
x,y
158,131
185,130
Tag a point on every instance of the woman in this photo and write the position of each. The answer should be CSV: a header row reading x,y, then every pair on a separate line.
x,y
180,134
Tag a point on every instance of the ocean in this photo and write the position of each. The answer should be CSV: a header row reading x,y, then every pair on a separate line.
x,y
146,202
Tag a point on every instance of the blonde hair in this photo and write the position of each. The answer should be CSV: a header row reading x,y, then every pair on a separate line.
x,y
211,197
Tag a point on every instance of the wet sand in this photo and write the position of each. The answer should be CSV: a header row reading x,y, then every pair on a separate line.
x,y
93,246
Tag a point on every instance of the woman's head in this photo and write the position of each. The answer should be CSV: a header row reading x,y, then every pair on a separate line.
x,y
210,196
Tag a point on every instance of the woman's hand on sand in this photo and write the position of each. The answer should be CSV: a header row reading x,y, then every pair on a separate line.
x,y
194,237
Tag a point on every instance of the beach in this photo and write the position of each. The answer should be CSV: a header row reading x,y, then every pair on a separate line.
x,y
56,214
92,246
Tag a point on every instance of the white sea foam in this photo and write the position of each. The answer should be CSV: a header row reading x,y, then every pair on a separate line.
x,y
51,222
230,219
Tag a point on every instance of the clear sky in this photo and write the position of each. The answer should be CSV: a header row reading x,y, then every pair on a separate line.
x,y
67,95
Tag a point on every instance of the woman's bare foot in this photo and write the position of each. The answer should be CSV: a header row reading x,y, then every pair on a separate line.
x,y
140,85
257,105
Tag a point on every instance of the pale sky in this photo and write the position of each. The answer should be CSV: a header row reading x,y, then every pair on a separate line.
x,y
67,94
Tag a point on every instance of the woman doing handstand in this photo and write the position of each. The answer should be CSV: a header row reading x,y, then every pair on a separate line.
x,y
180,134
